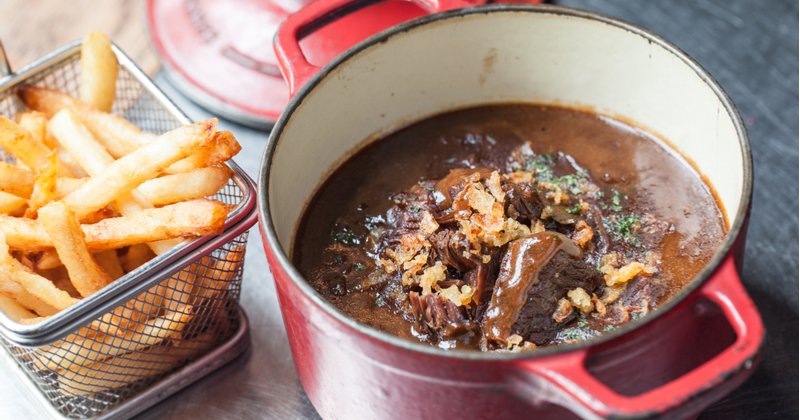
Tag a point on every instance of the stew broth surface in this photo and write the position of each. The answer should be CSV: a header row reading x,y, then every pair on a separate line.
x,y
641,202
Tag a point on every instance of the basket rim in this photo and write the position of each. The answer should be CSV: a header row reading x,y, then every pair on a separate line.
x,y
239,220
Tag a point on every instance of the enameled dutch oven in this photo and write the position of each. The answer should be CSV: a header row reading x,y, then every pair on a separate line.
x,y
674,362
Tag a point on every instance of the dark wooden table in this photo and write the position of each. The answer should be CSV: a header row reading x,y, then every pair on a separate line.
x,y
750,47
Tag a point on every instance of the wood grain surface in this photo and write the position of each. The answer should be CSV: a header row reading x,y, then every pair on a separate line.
x,y
32,28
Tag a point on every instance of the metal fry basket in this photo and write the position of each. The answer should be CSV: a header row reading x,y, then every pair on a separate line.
x,y
180,308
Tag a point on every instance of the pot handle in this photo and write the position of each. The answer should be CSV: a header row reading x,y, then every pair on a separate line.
x,y
568,371
295,66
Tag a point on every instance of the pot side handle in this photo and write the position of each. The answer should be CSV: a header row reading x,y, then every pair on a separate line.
x,y
296,68
568,372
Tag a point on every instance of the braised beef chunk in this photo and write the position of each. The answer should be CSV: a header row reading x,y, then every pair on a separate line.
x,y
523,203
535,274
439,316
447,187
452,248
564,273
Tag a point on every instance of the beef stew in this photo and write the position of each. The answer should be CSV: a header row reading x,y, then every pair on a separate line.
x,y
507,227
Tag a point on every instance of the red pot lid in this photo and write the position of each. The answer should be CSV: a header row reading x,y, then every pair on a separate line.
x,y
219,52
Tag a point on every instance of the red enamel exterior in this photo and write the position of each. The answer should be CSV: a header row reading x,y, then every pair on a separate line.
x,y
674,366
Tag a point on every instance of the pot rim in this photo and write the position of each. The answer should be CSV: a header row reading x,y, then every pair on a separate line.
x,y
268,230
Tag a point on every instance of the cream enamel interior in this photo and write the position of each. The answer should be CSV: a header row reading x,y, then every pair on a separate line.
x,y
502,56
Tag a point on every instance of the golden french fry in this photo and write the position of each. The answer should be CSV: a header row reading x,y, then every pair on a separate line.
x,y
22,145
117,135
59,276
187,219
197,183
99,70
65,186
44,188
35,123
147,162
67,164
36,285
136,256
222,147
109,262
76,139
16,181
14,310
10,203
24,298
216,279
69,354
68,239
45,100
128,368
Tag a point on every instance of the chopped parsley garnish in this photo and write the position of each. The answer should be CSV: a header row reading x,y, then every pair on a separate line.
x,y
345,236
451,160
360,267
571,182
542,166
379,301
576,209
623,228
415,208
582,322
616,200
608,328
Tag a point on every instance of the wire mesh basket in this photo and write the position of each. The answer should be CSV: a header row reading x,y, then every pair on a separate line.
x,y
118,342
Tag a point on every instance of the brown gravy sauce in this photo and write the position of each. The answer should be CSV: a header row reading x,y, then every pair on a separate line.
x,y
652,178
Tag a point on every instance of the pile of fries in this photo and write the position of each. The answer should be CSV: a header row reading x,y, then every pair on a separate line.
x,y
90,197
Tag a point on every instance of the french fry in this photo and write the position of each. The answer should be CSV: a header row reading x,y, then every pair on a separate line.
x,y
76,139
59,276
36,285
99,70
109,262
16,181
65,186
147,162
120,371
27,300
45,100
64,230
117,135
22,145
10,203
197,183
222,147
137,255
217,278
67,163
14,310
35,123
44,188
75,351
187,219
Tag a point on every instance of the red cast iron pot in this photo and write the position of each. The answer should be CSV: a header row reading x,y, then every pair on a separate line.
x,y
674,362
